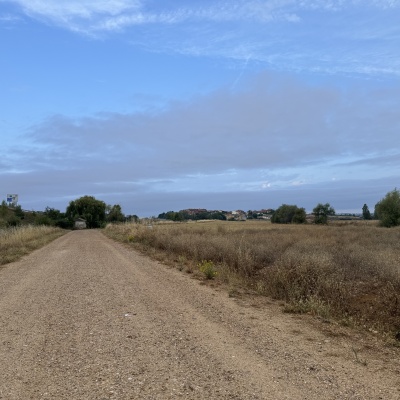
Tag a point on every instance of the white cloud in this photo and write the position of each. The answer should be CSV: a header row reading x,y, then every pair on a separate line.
x,y
85,9
98,14
279,133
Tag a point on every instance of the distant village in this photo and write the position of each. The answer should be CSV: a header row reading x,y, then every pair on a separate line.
x,y
196,214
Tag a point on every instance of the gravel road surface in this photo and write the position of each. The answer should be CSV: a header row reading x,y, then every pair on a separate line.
x,y
88,318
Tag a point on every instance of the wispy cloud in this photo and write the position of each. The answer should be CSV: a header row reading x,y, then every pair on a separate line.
x,y
280,34
98,14
69,9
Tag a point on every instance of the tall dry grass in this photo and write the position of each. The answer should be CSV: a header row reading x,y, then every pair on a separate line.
x,y
350,271
19,241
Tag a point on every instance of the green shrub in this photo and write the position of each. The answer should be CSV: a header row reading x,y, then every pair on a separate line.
x,y
13,221
208,269
42,219
287,214
388,209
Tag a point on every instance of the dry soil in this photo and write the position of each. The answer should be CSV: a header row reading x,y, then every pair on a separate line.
x,y
87,318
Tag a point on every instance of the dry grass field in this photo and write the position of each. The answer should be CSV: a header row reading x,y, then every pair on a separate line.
x,y
19,241
347,271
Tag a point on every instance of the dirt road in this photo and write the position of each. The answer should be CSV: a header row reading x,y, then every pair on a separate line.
x,y
87,318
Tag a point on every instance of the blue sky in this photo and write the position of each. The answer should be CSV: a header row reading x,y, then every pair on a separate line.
x,y
165,105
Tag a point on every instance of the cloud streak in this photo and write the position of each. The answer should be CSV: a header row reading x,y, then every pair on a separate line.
x,y
131,11
277,33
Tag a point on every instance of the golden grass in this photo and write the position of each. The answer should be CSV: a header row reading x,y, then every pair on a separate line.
x,y
19,241
347,270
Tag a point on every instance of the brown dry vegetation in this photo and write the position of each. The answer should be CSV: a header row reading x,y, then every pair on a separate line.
x,y
19,241
346,271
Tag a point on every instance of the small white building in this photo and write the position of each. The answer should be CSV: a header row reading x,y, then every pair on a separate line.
x,y
80,223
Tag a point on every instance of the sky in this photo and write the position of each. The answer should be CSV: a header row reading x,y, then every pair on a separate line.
x,y
162,105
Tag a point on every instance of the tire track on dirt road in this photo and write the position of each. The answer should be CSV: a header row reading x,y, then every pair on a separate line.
x,y
87,318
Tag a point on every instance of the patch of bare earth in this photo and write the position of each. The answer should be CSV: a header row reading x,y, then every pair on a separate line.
x,y
87,318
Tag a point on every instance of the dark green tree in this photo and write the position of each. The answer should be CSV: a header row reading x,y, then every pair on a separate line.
x,y
387,210
53,217
132,218
19,212
87,207
299,216
321,213
172,215
217,215
287,214
3,209
53,214
114,213
365,212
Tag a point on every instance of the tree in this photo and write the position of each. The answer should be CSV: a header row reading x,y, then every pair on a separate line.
x,y
171,215
54,217
321,213
365,212
87,207
217,215
53,214
132,218
299,216
387,210
114,213
287,214
3,209
19,212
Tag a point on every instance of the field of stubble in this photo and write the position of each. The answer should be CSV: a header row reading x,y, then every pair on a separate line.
x,y
346,271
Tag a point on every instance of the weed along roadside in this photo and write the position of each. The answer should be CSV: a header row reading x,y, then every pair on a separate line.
x,y
347,273
21,240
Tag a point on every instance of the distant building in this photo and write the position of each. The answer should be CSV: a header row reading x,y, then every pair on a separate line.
x,y
12,200
238,215
80,223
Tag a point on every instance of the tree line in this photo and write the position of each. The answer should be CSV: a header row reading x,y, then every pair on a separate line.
x,y
387,211
183,215
96,214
